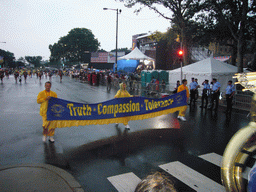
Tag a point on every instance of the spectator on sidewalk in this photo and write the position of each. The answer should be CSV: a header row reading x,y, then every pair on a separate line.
x,y
177,86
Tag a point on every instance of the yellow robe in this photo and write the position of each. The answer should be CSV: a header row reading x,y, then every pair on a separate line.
x,y
182,88
41,99
120,94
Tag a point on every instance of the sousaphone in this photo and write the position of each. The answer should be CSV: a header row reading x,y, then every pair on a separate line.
x,y
242,145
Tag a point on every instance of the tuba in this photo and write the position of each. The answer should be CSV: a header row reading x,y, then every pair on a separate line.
x,y
242,145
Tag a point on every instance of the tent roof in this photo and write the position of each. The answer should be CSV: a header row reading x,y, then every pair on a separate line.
x,y
136,54
208,65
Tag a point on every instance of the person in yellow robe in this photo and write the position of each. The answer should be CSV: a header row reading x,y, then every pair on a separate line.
x,y
183,87
43,98
122,92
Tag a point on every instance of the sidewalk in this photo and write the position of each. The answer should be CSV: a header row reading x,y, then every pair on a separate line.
x,y
37,177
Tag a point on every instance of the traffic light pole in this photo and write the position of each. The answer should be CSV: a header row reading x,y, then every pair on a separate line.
x,y
181,74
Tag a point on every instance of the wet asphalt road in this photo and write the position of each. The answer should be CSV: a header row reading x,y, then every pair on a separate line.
x,y
93,153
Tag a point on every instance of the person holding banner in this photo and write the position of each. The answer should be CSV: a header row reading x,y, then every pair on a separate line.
x,y
183,87
43,98
122,92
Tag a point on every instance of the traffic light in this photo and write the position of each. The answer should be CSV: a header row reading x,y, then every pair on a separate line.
x,y
180,55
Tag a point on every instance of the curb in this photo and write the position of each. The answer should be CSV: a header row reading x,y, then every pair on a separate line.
x,y
64,175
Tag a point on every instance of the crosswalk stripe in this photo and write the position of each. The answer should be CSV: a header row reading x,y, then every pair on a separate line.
x,y
216,160
125,183
191,178
212,158
195,180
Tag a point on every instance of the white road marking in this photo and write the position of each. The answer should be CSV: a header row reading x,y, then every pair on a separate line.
x,y
125,183
192,178
212,158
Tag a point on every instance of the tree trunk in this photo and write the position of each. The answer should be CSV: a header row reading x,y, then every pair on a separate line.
x,y
241,40
234,53
240,55
184,45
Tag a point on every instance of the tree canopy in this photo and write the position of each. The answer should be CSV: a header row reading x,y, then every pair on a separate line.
x,y
8,58
35,60
182,13
199,22
238,16
74,45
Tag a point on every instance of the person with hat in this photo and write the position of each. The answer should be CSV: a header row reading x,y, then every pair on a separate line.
x,y
215,94
193,86
122,92
205,93
230,91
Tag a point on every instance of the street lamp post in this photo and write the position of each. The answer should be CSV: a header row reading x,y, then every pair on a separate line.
x,y
117,12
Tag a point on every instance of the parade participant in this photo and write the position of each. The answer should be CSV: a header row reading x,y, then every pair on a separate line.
x,y
122,92
192,86
215,94
37,74
40,74
183,87
230,91
1,75
7,73
29,73
50,75
16,75
205,93
60,74
25,74
43,98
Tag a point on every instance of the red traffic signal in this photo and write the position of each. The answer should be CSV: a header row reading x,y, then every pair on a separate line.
x,y
180,52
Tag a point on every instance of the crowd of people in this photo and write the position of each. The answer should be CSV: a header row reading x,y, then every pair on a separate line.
x,y
210,91
20,74
210,94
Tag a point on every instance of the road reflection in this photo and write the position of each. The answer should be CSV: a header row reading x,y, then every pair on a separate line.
x,y
125,144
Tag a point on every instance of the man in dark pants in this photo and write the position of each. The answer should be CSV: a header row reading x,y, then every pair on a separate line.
x,y
230,91
205,93
192,88
215,94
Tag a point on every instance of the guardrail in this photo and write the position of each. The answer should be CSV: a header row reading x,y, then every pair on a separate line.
x,y
243,99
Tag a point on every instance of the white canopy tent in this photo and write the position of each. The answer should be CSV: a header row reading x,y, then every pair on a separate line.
x,y
135,54
206,69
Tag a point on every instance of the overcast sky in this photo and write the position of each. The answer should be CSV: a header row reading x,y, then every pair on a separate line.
x,y
29,26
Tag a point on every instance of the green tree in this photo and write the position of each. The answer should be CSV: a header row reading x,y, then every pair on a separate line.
x,y
74,45
235,15
102,50
35,60
8,58
182,12
126,50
